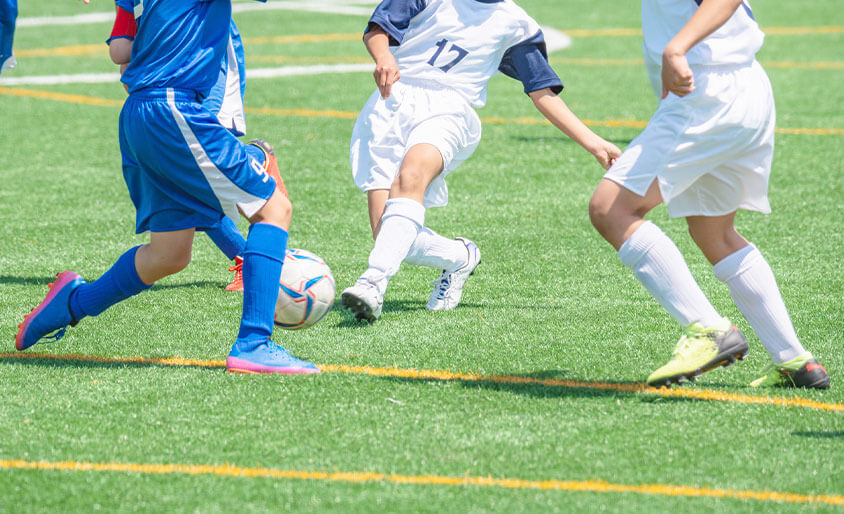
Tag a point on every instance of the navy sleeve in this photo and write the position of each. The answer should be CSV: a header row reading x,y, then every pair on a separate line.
x,y
528,63
394,17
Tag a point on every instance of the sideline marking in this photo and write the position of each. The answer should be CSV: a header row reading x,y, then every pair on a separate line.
x,y
449,376
309,113
357,477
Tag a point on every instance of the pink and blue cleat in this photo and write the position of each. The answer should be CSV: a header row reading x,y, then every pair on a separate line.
x,y
48,322
267,358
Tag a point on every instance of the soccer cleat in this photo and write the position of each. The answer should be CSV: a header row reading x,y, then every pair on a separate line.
x,y
449,288
364,300
700,350
802,371
267,358
270,163
237,282
48,322
8,63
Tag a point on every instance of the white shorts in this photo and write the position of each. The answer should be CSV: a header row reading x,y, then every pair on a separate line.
x,y
416,112
709,151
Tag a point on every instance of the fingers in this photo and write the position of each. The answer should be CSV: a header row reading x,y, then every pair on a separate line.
x,y
385,77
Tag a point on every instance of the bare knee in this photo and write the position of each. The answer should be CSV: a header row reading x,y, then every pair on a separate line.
x,y
155,261
277,211
715,236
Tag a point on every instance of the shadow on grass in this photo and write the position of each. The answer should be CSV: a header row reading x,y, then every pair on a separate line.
x,y
43,281
92,362
27,281
533,386
821,435
390,306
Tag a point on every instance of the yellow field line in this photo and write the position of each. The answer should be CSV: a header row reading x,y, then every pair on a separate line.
x,y
449,376
587,61
770,31
61,97
357,477
350,115
101,48
303,38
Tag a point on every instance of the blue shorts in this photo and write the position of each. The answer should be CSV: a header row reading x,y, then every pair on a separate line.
x,y
183,169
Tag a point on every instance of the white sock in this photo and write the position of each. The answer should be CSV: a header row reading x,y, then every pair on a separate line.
x,y
435,251
658,264
400,224
755,292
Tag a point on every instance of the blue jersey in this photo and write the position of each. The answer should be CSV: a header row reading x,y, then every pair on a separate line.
x,y
179,44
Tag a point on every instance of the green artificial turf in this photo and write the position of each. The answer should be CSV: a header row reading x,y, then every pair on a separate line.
x,y
550,301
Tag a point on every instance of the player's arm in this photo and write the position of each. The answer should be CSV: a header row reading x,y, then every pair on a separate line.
x,y
557,112
528,63
386,28
122,35
677,76
386,72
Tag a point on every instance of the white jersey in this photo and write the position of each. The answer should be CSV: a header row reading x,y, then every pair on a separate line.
x,y
734,43
463,43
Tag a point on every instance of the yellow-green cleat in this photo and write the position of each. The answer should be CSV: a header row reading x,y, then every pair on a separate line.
x,y
802,371
701,349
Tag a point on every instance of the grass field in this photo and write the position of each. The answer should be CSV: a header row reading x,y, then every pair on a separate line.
x,y
528,397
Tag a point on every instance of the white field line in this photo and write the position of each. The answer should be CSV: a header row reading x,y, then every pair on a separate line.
x,y
52,80
336,7
555,40
253,73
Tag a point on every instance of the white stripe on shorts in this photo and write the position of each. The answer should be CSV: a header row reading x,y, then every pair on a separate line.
x,y
223,188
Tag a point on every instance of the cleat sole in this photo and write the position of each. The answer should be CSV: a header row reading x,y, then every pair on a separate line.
x,y
360,309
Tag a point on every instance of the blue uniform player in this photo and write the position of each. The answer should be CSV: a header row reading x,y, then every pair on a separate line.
x,y
8,16
184,172
225,100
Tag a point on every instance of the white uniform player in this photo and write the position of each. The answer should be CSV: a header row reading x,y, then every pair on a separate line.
x,y
433,60
706,152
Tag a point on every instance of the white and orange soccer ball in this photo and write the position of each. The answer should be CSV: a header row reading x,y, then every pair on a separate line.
x,y
306,291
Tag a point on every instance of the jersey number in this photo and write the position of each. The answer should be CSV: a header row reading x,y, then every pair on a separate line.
x,y
441,44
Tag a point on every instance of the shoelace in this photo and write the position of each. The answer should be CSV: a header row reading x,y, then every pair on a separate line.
x,y
770,375
693,332
444,283
238,268
52,338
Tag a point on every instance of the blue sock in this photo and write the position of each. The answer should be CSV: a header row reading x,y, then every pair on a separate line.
x,y
118,283
262,260
227,237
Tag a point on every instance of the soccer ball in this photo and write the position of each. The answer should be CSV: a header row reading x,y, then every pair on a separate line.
x,y
306,291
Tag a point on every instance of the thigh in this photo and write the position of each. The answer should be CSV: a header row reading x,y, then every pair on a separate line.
x,y
188,169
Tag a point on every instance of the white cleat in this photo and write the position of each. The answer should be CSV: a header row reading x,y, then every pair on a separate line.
x,y
8,64
364,300
449,288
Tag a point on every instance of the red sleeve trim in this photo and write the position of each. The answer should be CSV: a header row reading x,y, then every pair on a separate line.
x,y
124,25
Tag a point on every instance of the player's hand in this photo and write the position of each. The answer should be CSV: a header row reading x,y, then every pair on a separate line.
x,y
677,76
386,74
606,153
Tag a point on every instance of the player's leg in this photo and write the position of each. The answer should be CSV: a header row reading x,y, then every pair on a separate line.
x,y
457,258
263,256
754,290
404,216
226,235
657,263
8,16
376,200
71,298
